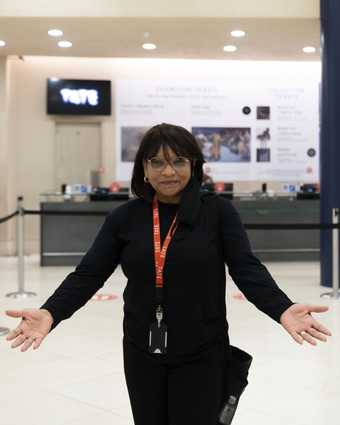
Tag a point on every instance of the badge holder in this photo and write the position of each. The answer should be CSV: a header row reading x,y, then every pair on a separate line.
x,y
158,335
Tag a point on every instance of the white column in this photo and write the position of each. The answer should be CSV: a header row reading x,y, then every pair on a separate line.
x,y
4,228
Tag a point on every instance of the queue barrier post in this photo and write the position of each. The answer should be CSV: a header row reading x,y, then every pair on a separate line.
x,y
21,293
3,331
335,258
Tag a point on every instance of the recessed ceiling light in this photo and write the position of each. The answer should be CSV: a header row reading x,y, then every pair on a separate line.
x,y
237,33
309,49
149,46
2,43
230,48
55,33
65,44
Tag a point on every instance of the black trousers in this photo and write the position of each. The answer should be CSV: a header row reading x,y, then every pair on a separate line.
x,y
174,392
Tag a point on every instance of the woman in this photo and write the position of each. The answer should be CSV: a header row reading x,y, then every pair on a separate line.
x,y
172,242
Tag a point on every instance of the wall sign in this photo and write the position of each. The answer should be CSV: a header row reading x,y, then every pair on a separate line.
x,y
78,97
260,123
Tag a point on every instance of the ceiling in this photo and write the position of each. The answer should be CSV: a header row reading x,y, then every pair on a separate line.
x,y
161,8
192,38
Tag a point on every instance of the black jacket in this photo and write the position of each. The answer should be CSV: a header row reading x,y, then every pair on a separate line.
x,y
209,234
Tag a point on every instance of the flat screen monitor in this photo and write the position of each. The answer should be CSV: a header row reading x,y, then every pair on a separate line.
x,y
78,97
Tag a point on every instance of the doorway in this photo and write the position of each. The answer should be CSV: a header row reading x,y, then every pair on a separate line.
x,y
78,153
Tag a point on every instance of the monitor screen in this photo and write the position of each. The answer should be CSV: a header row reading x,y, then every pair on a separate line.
x,y
78,97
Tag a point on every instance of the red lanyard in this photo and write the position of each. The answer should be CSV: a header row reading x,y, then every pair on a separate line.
x,y
160,252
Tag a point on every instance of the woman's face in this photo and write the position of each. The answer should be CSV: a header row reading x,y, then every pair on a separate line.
x,y
168,175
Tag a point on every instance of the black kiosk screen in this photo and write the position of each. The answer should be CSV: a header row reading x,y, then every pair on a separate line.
x,y
78,97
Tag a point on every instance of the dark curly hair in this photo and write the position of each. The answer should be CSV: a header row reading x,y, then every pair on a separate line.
x,y
179,140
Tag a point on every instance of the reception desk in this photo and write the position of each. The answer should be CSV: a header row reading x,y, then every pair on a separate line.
x,y
282,245
65,239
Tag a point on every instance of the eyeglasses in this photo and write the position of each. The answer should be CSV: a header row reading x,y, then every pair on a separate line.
x,y
178,164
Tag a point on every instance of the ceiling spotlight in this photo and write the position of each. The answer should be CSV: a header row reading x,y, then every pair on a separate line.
x,y
55,33
237,33
309,49
230,48
65,44
149,46
2,43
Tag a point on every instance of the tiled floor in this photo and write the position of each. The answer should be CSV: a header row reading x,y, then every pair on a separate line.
x,y
76,377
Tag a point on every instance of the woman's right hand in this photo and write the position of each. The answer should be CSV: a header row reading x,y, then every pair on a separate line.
x,y
33,328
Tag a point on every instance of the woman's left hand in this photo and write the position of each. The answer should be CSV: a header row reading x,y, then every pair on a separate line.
x,y
300,324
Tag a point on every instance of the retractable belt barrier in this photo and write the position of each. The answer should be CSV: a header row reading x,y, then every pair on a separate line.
x,y
57,212
7,218
250,226
21,212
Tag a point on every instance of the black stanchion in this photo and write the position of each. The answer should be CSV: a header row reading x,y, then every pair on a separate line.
x,y
21,293
335,258
3,330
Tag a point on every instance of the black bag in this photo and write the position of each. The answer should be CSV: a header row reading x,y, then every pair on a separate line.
x,y
235,379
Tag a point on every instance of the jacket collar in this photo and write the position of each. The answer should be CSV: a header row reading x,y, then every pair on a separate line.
x,y
190,202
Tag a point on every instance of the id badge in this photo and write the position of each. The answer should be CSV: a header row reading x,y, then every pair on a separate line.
x,y
158,336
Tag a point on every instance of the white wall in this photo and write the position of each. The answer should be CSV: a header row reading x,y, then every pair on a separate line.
x,y
30,132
